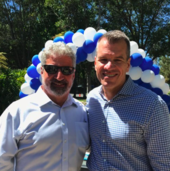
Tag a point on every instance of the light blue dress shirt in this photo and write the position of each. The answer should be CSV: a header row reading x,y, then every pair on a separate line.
x,y
131,132
38,135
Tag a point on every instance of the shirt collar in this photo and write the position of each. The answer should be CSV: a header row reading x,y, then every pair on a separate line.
x,y
42,99
128,87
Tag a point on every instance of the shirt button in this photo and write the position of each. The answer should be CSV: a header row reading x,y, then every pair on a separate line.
x,y
65,141
104,160
103,140
103,121
63,123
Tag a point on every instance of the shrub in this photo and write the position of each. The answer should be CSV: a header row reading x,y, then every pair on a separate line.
x,y
10,83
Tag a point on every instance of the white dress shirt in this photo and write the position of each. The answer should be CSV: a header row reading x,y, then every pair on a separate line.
x,y
38,135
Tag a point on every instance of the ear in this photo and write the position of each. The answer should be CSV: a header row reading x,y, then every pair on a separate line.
x,y
42,70
95,62
74,74
128,65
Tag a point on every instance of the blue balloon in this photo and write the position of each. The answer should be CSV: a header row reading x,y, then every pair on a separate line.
x,y
58,39
158,91
68,37
21,94
139,81
136,59
146,85
81,55
166,98
169,108
35,83
81,31
155,68
35,60
89,46
32,72
96,37
146,63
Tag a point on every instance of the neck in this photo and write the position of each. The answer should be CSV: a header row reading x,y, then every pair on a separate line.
x,y
109,93
59,100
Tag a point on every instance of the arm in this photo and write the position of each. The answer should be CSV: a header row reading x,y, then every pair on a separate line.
x,y
8,146
157,137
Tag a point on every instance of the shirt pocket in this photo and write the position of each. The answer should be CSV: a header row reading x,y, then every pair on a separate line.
x,y
82,134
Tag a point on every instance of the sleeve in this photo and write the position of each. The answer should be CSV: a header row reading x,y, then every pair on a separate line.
x,y
8,146
157,137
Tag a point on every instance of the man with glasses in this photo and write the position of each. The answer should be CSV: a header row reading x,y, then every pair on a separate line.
x,y
129,125
47,130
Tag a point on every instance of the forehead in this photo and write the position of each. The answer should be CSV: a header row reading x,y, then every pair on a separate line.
x,y
116,48
60,60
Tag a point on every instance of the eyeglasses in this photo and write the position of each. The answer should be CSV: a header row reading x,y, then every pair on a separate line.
x,y
53,69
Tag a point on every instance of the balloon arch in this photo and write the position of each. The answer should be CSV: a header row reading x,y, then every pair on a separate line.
x,y
83,43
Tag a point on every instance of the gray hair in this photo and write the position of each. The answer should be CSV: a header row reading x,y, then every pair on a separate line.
x,y
116,36
57,49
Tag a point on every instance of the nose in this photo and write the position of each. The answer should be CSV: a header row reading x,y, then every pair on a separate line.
x,y
59,75
110,65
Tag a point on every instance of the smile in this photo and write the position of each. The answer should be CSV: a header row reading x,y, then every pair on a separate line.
x,y
110,75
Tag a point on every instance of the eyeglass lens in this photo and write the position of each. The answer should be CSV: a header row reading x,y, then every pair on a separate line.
x,y
53,69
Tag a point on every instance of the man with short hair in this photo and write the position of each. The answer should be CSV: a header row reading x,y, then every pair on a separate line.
x,y
48,130
129,125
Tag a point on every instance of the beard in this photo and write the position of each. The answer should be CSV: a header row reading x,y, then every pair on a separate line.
x,y
57,90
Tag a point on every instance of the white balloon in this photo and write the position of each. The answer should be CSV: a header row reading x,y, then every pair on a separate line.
x,y
165,88
73,47
142,52
127,73
40,55
27,78
133,47
91,56
40,78
48,43
78,39
147,76
103,31
158,81
26,89
135,73
89,33
39,68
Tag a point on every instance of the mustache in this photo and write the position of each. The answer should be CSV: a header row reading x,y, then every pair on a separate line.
x,y
61,81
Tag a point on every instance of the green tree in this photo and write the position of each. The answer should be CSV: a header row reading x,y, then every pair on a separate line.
x,y
164,63
145,21
10,83
72,14
3,60
25,25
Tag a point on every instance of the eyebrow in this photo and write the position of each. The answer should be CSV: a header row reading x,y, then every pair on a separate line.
x,y
119,57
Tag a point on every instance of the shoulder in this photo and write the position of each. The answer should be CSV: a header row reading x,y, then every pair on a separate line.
x,y
94,93
149,100
145,93
79,105
21,104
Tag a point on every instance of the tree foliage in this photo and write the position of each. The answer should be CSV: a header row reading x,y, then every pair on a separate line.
x,y
164,63
3,60
10,82
25,25
72,14
145,21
